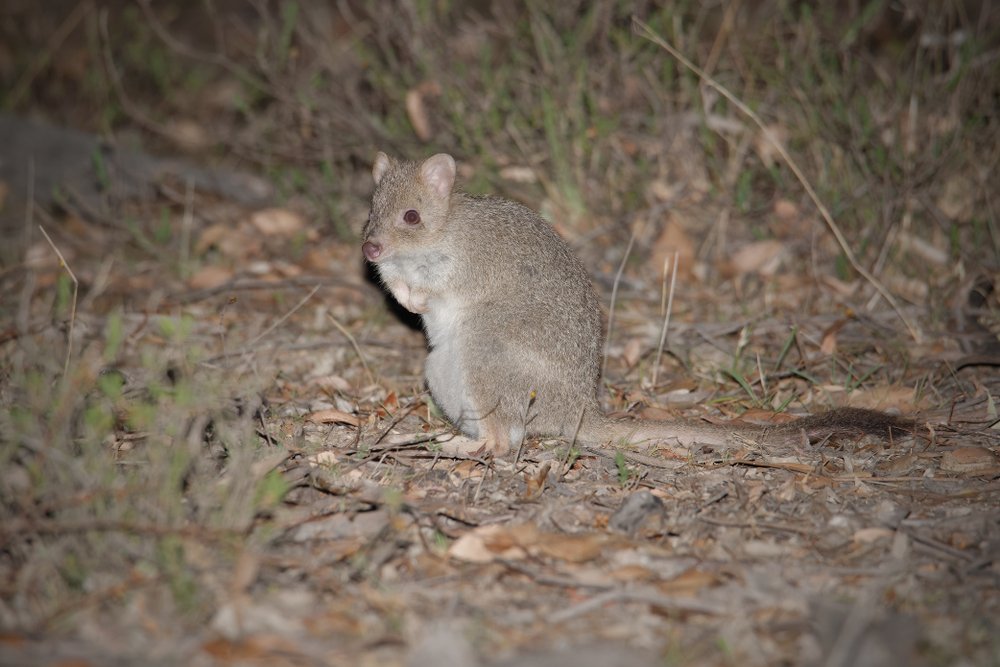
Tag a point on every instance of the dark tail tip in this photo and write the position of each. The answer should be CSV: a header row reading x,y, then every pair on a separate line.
x,y
854,421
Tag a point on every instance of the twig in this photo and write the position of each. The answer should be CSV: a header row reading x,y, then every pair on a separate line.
x,y
25,527
288,347
728,22
187,223
861,615
763,378
76,204
564,465
754,525
396,419
938,548
281,319
116,591
551,579
354,344
76,289
524,431
116,82
212,58
649,34
58,36
653,599
23,321
666,316
614,296
436,454
482,480
635,457
247,284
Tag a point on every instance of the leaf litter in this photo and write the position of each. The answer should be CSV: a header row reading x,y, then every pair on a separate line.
x,y
318,515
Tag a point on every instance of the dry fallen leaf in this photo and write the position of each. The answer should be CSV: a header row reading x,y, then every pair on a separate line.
x,y
760,416
763,257
577,548
210,276
333,416
828,345
839,287
480,545
690,583
632,352
632,573
673,239
277,222
887,397
332,384
534,484
961,539
260,648
872,534
663,190
968,460
188,134
343,526
789,223
416,108
958,198
518,174
238,243
924,250
786,210
517,541
326,458
210,236
245,571
466,470
765,144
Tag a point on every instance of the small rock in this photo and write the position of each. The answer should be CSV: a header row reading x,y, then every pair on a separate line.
x,y
443,643
634,511
890,514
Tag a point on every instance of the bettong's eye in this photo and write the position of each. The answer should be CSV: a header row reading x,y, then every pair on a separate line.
x,y
411,217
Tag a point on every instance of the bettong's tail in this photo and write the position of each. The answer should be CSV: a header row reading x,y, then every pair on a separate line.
x,y
841,422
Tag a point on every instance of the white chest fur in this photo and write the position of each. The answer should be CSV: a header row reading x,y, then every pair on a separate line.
x,y
442,322
445,367
427,271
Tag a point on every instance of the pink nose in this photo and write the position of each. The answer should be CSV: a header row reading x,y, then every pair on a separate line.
x,y
371,250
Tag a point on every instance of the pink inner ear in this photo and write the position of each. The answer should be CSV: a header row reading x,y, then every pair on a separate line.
x,y
438,174
379,167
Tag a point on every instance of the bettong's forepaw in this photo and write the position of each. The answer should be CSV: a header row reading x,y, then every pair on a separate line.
x,y
463,446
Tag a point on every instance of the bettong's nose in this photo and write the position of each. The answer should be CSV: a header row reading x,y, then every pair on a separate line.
x,y
371,250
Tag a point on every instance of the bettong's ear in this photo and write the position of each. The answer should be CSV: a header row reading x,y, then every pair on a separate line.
x,y
380,166
438,173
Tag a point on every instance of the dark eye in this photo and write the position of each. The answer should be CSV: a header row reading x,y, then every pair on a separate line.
x,y
411,217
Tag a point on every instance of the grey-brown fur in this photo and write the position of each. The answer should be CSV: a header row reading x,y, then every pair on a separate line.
x,y
512,319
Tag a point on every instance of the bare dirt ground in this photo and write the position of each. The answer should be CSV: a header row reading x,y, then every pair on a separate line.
x,y
217,447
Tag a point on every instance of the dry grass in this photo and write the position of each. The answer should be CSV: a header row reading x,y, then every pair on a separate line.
x,y
197,465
